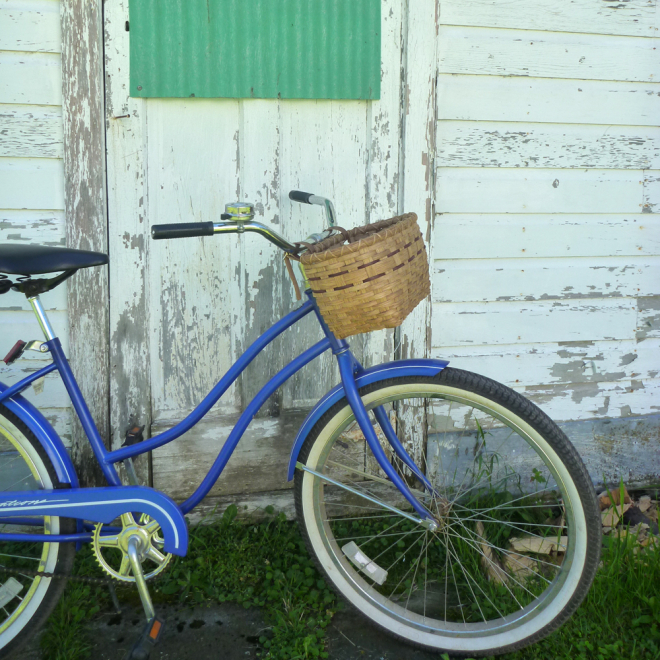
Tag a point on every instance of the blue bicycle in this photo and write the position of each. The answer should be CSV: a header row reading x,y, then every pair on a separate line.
x,y
443,506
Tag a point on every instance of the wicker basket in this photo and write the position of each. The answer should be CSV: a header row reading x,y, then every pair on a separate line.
x,y
372,282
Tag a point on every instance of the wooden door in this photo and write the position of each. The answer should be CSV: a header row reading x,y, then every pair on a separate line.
x,y
181,311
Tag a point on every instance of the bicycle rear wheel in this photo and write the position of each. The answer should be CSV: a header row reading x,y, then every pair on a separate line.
x,y
518,540
25,598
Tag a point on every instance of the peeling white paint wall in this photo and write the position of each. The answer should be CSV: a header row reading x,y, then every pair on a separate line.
x,y
546,245
182,311
524,135
32,180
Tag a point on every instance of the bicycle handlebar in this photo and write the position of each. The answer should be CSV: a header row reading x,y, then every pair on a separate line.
x,y
190,229
182,230
233,224
311,198
299,196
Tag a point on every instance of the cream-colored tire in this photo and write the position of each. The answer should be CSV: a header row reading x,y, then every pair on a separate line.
x,y
24,465
518,538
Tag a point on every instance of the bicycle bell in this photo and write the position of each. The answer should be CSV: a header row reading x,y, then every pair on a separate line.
x,y
239,212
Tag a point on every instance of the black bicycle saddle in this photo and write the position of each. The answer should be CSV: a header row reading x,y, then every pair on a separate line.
x,y
38,259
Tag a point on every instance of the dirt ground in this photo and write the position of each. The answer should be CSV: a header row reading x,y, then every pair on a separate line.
x,y
230,632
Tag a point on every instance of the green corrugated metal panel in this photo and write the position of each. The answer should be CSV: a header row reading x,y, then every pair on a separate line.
x,y
299,49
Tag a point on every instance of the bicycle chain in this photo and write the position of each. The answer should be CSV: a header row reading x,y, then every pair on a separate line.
x,y
55,576
62,576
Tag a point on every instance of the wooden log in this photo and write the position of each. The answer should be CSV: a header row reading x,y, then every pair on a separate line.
x,y
539,546
610,517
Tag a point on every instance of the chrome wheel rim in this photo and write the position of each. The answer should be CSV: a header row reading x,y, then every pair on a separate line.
x,y
469,627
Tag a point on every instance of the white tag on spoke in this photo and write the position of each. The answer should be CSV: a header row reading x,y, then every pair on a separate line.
x,y
9,590
368,567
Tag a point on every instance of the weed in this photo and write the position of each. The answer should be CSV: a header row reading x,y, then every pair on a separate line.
x,y
267,565
64,636
264,565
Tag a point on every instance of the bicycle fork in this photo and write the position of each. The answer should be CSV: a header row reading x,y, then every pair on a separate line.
x,y
348,369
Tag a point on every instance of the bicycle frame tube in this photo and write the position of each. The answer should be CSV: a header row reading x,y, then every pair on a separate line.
x,y
26,382
213,396
348,366
347,369
245,419
106,458
80,406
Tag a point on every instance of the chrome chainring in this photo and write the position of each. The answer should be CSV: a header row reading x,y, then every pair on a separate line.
x,y
111,550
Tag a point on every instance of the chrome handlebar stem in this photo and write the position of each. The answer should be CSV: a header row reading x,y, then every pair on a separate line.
x,y
233,227
327,205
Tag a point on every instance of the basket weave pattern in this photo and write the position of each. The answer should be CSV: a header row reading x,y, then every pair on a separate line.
x,y
374,281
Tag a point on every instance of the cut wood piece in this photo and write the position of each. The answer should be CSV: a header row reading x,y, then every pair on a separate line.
x,y
489,562
607,501
650,541
610,517
644,503
539,546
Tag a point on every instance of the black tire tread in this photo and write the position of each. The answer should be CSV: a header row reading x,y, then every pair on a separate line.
x,y
533,415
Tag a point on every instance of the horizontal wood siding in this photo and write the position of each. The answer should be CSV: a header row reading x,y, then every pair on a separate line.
x,y
32,182
566,146
633,18
30,78
31,131
503,236
547,54
30,26
546,251
547,100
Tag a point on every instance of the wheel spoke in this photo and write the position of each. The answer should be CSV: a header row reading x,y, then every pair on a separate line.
x,y
24,468
467,577
421,552
475,544
490,473
5,554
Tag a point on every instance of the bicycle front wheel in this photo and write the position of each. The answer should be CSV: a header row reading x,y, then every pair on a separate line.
x,y
26,598
518,537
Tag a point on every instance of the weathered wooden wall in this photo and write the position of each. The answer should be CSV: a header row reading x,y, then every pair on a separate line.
x,y
546,240
86,218
523,134
32,181
193,306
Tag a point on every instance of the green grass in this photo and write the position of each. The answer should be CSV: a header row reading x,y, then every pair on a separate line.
x,y
266,565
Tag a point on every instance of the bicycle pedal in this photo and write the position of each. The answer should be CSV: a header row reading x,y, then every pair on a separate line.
x,y
148,639
133,436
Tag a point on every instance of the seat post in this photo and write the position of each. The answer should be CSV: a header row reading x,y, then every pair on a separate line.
x,y
40,313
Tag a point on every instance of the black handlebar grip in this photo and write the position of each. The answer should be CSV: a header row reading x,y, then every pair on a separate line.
x,y
182,230
299,196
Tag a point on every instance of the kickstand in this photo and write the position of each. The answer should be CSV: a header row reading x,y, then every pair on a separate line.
x,y
152,631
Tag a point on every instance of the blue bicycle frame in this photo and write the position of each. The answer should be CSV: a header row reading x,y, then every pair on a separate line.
x,y
92,504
